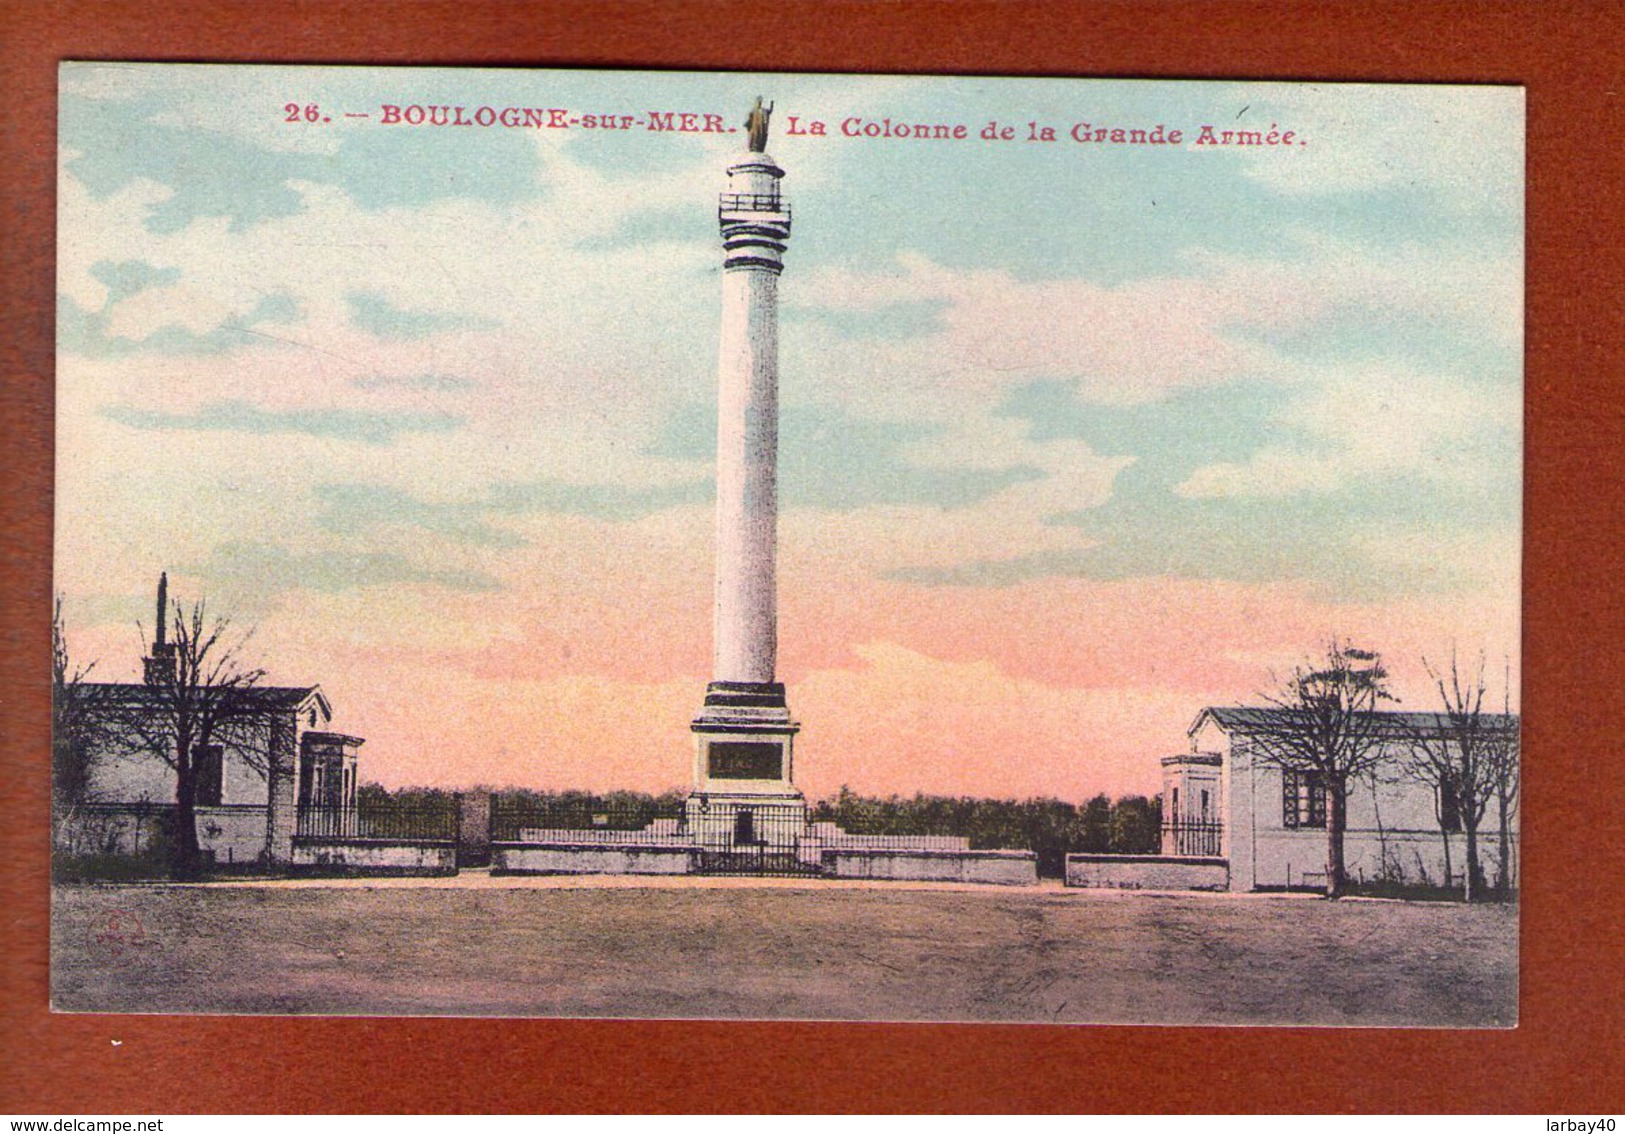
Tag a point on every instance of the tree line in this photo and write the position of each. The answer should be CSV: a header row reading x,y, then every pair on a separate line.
x,y
1052,828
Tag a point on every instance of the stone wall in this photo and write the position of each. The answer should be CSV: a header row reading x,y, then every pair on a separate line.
x,y
587,857
1008,868
1146,872
232,836
374,856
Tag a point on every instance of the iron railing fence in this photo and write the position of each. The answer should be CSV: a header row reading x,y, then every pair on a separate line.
x,y
141,831
731,835
158,816
742,837
527,821
942,833
389,821
1193,837
748,827
147,810
131,829
842,840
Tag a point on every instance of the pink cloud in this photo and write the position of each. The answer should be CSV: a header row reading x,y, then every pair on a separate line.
x,y
1062,686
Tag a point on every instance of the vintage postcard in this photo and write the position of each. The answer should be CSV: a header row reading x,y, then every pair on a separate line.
x,y
582,543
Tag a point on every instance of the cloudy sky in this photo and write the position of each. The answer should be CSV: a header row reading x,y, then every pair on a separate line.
x,y
1076,439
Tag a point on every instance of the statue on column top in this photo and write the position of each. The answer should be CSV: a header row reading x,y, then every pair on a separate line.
x,y
757,125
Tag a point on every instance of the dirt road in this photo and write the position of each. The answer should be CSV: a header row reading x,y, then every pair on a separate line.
x,y
781,952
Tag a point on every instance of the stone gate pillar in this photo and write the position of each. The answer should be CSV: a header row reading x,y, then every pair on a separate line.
x,y
282,773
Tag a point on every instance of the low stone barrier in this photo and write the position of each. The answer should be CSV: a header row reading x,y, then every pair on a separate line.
x,y
374,856
998,867
1147,872
590,857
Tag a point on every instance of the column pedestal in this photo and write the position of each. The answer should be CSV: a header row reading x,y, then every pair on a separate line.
x,y
744,753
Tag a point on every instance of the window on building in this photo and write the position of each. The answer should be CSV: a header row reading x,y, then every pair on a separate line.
x,y
1449,809
1303,799
208,766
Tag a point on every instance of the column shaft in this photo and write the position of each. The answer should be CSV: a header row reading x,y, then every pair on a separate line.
x,y
745,631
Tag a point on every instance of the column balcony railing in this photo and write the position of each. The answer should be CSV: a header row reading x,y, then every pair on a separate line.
x,y
753,203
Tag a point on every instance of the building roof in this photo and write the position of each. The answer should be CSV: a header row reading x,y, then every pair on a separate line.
x,y
263,698
314,737
1209,759
1241,718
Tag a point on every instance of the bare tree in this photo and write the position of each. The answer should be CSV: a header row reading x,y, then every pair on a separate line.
x,y
1389,868
1431,762
75,720
1322,728
199,693
1470,753
1504,757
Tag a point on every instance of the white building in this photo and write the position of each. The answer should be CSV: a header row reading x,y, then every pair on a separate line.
x,y
275,761
1225,799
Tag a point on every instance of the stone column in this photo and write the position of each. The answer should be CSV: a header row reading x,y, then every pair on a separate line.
x,y
474,827
744,731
